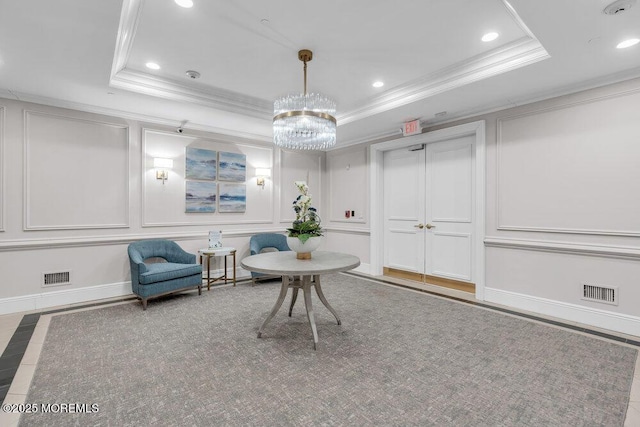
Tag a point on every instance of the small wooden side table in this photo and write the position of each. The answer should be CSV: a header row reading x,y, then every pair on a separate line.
x,y
215,252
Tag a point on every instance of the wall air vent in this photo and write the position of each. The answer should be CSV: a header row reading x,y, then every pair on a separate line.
x,y
56,279
607,295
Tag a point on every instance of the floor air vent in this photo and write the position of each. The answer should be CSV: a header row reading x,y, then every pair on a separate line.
x,y
56,279
607,295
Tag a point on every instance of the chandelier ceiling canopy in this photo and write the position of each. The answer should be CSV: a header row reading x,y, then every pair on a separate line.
x,y
304,121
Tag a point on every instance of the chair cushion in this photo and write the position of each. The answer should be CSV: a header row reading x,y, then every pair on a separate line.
x,y
268,249
161,271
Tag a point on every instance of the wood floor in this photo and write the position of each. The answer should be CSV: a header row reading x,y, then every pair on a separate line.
x,y
433,280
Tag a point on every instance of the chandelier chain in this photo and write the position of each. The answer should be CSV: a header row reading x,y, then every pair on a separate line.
x,y
305,77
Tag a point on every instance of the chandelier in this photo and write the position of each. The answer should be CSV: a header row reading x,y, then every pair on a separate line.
x,y
304,121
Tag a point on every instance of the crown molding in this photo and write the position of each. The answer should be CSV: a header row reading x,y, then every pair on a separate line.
x,y
522,52
482,110
519,53
78,106
129,18
136,81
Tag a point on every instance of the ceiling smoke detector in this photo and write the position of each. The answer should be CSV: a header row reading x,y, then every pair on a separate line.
x,y
193,74
619,6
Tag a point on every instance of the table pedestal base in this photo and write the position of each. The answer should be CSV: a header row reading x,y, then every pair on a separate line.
x,y
305,283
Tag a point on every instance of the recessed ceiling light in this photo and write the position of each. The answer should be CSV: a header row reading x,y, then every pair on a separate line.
x,y
152,65
489,37
184,3
378,84
628,43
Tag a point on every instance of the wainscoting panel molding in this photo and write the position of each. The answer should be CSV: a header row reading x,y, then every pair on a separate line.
x,y
348,185
76,173
3,190
352,241
619,252
163,205
571,168
342,230
549,278
86,241
298,166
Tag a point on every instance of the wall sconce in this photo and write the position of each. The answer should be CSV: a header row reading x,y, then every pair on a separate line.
x,y
162,165
261,174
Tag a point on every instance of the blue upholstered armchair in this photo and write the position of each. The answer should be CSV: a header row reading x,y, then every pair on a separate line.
x,y
265,243
179,273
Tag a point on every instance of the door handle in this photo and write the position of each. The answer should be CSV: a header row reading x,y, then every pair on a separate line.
x,y
420,226
430,226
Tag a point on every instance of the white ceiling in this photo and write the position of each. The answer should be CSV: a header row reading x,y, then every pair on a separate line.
x,y
91,54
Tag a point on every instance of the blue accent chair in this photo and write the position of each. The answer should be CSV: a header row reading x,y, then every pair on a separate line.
x,y
179,273
266,242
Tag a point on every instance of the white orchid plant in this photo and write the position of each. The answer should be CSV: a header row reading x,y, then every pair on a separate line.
x,y
307,222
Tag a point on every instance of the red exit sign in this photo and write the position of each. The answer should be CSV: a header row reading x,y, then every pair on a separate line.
x,y
411,128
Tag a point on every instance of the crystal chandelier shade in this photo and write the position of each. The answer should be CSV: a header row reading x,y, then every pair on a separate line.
x,y
304,121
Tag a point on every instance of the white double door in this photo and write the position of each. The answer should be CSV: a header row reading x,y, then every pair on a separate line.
x,y
429,209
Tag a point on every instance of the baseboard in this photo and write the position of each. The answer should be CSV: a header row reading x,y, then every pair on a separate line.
x,y
63,297
363,268
618,322
92,293
73,296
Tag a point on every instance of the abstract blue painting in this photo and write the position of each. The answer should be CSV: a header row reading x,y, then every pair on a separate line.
x,y
200,164
200,196
233,167
233,197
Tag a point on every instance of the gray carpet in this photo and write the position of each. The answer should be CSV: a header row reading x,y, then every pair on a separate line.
x,y
400,358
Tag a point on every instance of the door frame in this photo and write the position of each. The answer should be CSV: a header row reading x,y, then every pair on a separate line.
x,y
376,181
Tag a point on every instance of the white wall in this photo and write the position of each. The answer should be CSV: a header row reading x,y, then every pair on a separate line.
x,y
563,188
347,188
164,204
78,187
563,204
562,201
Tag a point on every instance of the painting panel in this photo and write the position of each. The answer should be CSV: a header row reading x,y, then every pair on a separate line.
x,y
233,167
200,164
200,196
233,197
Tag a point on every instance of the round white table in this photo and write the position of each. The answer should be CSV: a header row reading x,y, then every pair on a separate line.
x,y
308,271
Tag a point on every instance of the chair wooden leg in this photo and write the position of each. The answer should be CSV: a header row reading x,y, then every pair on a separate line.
x,y
200,289
144,303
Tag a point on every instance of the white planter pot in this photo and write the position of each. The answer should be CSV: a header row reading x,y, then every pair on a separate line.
x,y
304,249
